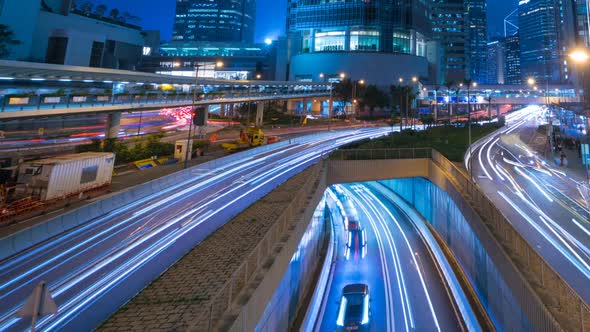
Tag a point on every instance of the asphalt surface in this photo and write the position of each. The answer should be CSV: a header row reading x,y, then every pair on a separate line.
x,y
542,200
95,268
407,289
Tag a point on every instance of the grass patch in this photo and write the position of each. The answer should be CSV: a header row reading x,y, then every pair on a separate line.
x,y
451,141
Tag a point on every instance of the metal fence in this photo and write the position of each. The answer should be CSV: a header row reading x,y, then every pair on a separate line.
x,y
382,154
223,301
538,277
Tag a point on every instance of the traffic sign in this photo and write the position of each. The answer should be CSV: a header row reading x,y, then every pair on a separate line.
x,y
39,304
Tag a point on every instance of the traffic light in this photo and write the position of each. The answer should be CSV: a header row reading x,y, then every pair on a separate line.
x,y
200,116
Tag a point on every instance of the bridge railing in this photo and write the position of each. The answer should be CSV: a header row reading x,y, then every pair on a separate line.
x,y
381,154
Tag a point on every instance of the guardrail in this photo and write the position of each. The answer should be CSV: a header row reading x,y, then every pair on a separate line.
x,y
226,297
381,154
566,306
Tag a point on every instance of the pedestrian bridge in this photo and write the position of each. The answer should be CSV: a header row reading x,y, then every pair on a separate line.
x,y
501,266
34,90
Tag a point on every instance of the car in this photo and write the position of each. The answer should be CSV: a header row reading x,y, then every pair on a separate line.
x,y
356,245
353,312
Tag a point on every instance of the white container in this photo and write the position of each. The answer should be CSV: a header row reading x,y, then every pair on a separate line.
x,y
67,175
180,150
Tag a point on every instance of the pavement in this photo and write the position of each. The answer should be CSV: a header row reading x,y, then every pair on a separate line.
x,y
179,295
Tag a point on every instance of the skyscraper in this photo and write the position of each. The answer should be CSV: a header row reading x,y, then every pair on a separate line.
x,y
476,19
356,29
215,21
495,62
512,59
449,28
546,35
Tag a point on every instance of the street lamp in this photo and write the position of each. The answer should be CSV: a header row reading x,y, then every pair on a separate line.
x,y
354,96
469,85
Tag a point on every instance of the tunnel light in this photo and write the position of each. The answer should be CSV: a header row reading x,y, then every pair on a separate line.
x,y
6,78
340,320
88,81
37,79
65,80
107,81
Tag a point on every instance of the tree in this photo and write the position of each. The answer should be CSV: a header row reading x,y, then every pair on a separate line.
x,y
397,93
6,40
100,10
86,7
374,97
343,90
114,13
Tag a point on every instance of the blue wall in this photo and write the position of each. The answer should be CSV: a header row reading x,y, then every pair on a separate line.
x,y
282,308
438,208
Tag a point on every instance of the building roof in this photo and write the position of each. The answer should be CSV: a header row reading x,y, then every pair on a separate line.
x,y
71,157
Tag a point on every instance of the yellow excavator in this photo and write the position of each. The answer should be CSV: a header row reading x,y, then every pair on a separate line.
x,y
252,137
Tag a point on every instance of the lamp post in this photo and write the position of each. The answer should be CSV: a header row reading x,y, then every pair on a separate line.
x,y
219,64
581,56
469,85
354,94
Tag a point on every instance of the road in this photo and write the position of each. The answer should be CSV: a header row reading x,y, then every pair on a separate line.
x,y
539,198
407,288
95,268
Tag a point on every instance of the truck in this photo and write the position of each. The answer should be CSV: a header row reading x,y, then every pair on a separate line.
x,y
251,137
67,175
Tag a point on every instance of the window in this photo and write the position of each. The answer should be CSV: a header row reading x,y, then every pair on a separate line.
x,y
89,174
364,40
329,41
96,54
56,50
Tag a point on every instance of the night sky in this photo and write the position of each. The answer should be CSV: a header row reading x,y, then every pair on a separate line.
x,y
159,15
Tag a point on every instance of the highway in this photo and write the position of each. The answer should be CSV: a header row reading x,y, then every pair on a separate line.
x,y
408,290
541,199
93,269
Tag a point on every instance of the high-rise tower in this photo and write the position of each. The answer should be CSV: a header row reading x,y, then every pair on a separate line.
x,y
215,21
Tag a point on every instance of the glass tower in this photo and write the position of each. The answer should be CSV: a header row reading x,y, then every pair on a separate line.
x,y
215,21
478,39
391,26
448,19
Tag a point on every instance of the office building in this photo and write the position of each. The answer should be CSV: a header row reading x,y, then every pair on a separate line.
x,y
449,29
582,24
476,26
495,62
547,34
336,36
228,21
511,46
53,31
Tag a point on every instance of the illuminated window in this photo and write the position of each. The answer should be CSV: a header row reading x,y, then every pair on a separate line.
x,y
329,41
364,40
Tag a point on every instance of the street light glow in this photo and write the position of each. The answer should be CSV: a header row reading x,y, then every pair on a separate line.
x,y
321,75
414,79
362,82
401,80
579,55
219,64
268,41
531,81
342,75
258,76
474,84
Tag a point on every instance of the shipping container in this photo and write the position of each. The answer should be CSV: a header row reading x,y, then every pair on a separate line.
x,y
66,175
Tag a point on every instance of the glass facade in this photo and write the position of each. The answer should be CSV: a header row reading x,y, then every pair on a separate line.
x,y
449,28
478,39
512,59
391,26
215,21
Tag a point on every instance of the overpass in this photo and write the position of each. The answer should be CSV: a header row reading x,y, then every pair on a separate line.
x,y
32,90
493,96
